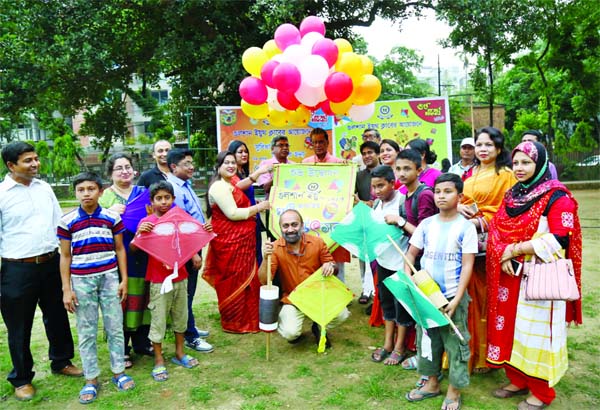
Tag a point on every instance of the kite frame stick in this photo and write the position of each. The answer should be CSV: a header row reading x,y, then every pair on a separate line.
x,y
269,286
450,322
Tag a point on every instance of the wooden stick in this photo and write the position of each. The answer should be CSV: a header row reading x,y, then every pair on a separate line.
x,y
269,286
450,322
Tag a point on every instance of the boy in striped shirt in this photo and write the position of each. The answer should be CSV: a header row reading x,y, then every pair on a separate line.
x,y
91,261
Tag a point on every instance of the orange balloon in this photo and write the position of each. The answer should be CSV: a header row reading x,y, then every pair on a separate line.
x,y
343,45
368,90
341,108
258,112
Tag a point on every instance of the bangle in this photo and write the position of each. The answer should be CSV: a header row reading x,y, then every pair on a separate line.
x,y
514,249
251,179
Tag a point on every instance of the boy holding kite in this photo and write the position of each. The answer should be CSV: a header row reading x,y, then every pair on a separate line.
x,y
449,245
172,304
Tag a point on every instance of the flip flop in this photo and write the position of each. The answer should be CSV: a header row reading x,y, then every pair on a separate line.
x,y
423,380
160,374
379,355
395,358
88,389
422,395
447,402
121,382
186,361
410,363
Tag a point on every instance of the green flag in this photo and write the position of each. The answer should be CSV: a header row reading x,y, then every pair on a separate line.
x,y
365,237
414,301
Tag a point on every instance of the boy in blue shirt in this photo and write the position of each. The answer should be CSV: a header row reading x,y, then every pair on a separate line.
x,y
92,258
449,245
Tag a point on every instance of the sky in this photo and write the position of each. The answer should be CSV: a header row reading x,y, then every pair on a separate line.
x,y
421,35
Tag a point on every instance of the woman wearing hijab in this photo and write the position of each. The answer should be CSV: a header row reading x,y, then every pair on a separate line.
x,y
528,338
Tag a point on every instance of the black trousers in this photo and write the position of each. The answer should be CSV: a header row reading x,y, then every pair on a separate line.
x,y
23,286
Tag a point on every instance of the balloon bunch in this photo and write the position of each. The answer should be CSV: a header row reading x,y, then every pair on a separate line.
x,y
301,71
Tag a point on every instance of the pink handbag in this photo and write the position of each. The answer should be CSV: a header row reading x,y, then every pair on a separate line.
x,y
550,281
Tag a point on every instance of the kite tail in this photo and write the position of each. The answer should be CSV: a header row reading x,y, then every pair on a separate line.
x,y
322,340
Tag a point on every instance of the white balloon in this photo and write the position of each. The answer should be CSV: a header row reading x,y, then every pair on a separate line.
x,y
310,39
308,95
295,53
272,99
360,113
314,70
278,57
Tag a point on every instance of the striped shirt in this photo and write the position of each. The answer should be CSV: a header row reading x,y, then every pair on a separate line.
x,y
92,240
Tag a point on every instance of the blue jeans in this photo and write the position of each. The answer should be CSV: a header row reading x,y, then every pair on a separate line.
x,y
191,333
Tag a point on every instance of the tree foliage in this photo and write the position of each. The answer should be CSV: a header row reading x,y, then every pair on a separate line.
x,y
397,74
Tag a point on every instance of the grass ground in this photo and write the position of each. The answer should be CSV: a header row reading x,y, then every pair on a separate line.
x,y
237,376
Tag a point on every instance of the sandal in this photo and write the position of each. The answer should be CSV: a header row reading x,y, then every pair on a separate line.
x,y
89,389
450,402
128,362
123,382
525,405
186,361
395,358
410,363
504,393
160,374
422,395
363,299
379,355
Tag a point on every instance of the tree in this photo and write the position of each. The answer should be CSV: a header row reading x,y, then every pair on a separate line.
x,y
396,73
491,30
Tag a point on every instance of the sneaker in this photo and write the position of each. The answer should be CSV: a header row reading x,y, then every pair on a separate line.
x,y
202,333
200,345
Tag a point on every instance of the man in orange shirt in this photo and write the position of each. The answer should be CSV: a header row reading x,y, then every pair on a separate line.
x,y
294,257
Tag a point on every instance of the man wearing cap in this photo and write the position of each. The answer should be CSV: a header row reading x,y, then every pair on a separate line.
x,y
464,167
536,136
30,274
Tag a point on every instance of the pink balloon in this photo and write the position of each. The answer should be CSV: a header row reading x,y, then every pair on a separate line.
x,y
361,113
309,96
266,72
338,87
253,90
287,100
312,23
286,77
324,105
327,49
286,35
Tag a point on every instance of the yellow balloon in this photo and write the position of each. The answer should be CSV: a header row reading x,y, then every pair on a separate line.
x,y
258,112
368,90
300,116
277,118
367,64
253,59
343,45
350,64
342,107
271,48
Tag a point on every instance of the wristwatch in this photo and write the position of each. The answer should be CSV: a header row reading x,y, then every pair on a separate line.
x,y
401,222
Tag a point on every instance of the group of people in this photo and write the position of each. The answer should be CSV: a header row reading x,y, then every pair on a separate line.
x,y
463,227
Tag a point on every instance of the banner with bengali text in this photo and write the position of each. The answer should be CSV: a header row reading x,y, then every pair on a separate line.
x,y
322,193
402,121
233,124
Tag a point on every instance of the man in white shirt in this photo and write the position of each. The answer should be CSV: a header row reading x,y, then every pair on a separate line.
x,y
463,168
30,274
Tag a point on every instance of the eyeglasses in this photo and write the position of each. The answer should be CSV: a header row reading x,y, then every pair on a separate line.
x,y
187,164
127,168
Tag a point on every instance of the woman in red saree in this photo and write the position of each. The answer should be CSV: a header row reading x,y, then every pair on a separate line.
x,y
231,259
528,338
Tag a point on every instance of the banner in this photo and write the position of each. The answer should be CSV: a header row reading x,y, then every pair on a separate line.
x,y
322,193
233,124
402,121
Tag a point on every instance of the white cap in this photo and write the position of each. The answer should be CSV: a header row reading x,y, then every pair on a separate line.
x,y
467,141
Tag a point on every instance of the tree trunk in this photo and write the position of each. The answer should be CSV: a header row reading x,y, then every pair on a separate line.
x,y
491,77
